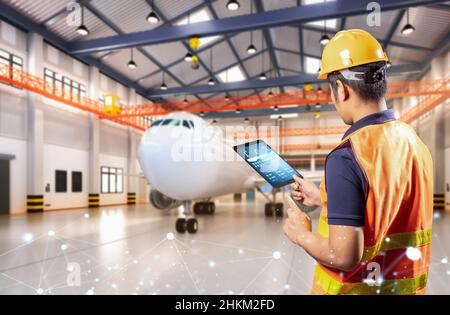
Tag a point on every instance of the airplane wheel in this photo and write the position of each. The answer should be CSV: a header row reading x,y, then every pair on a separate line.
x,y
192,225
211,207
181,225
268,210
279,209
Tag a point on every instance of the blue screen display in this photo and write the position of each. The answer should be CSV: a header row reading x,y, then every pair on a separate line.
x,y
272,167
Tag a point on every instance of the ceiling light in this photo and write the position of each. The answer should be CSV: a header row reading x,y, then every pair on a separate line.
x,y
227,98
251,49
188,57
233,5
263,76
82,30
185,101
293,115
211,81
270,94
246,120
202,114
214,122
407,29
325,39
152,18
238,111
280,117
275,108
131,64
163,86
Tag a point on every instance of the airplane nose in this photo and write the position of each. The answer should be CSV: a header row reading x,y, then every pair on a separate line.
x,y
159,149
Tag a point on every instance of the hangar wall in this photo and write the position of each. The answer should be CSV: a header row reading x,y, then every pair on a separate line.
x,y
66,140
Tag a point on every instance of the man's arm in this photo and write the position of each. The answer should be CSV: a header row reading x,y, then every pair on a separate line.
x,y
342,250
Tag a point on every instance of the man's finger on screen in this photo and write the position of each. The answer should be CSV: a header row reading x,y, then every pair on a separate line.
x,y
298,180
292,203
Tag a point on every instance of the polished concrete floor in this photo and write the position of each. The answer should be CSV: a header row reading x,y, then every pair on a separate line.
x,y
135,250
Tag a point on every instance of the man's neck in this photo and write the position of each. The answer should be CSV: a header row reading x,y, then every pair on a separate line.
x,y
368,109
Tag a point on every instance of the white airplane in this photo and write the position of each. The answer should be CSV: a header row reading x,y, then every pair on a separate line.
x,y
186,159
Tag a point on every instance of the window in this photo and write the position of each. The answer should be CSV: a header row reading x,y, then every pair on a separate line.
x,y
199,16
233,74
331,24
63,86
312,65
77,182
171,122
60,181
157,123
11,65
111,180
144,121
188,124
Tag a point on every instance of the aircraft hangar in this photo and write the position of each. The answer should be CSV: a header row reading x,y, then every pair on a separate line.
x,y
123,163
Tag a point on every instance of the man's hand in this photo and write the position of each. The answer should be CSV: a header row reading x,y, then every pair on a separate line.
x,y
306,192
297,225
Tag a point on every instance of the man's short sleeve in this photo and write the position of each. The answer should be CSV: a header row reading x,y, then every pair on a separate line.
x,y
346,189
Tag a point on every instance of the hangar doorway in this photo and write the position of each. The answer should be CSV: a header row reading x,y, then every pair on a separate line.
x,y
4,185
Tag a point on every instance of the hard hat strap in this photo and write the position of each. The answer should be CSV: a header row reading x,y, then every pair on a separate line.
x,y
370,76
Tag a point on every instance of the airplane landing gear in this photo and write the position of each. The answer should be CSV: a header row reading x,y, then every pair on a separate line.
x,y
207,207
182,225
272,207
186,224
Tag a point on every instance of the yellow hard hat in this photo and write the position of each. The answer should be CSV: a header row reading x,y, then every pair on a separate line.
x,y
350,48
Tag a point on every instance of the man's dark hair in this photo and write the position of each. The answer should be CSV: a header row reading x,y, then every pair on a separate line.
x,y
373,88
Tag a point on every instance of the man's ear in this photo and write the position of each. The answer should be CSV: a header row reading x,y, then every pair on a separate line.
x,y
342,91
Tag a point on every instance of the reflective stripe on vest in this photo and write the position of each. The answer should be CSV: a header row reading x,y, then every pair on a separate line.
x,y
392,241
395,286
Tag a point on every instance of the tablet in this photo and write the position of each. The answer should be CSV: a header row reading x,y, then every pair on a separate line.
x,y
271,166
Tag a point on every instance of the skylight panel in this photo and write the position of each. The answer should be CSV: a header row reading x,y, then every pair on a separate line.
x,y
331,24
199,16
312,64
233,74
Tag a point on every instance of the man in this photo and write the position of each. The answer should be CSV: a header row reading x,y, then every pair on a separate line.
x,y
375,225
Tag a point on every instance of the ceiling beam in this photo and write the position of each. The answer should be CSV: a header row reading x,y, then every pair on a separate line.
x,y
242,23
294,80
382,41
268,111
238,86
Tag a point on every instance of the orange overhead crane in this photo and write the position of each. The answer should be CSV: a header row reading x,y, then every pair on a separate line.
x,y
433,93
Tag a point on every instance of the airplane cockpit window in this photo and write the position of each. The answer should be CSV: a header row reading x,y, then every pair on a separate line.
x,y
186,124
156,123
191,123
171,122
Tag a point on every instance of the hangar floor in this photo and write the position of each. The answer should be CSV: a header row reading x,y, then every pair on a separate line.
x,y
123,250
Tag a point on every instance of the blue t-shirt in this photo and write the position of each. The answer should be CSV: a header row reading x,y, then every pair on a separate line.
x,y
346,183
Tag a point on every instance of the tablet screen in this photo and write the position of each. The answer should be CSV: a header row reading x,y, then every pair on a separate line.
x,y
272,167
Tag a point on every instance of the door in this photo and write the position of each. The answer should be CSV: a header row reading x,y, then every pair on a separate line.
x,y
4,186
447,179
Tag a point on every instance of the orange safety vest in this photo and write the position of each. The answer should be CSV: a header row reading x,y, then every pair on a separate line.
x,y
398,215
